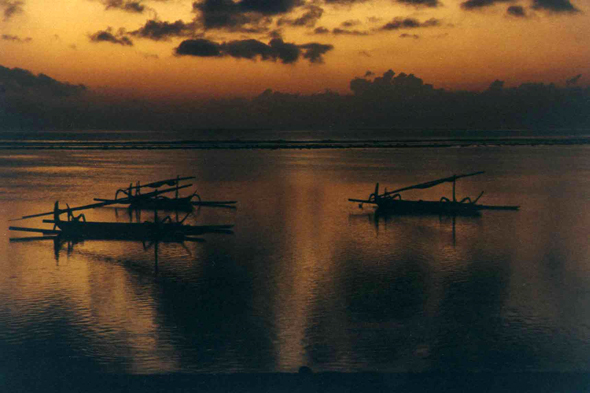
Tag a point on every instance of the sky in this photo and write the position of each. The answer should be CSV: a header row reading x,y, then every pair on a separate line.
x,y
178,52
221,48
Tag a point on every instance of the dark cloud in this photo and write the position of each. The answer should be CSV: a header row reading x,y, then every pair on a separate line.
x,y
573,81
350,23
14,38
11,8
516,11
478,4
421,3
245,15
160,30
312,14
269,7
36,102
286,52
344,29
199,47
275,34
248,49
339,31
321,30
124,5
19,81
344,2
496,86
275,50
405,35
108,36
225,14
220,14
555,6
314,52
390,85
409,23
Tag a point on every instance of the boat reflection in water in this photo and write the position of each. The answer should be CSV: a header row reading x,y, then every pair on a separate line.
x,y
386,220
149,234
442,286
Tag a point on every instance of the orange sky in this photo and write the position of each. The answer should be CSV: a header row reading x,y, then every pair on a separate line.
x,y
449,44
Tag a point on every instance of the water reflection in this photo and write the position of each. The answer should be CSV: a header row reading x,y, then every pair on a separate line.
x,y
308,279
397,290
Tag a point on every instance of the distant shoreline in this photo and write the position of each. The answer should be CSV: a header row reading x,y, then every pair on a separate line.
x,y
237,144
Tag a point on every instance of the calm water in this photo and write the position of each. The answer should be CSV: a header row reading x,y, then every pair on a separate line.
x,y
308,278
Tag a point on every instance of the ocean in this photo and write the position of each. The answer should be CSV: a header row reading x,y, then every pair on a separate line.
x,y
307,278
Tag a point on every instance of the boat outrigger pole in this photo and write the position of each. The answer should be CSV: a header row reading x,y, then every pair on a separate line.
x,y
101,204
433,183
168,182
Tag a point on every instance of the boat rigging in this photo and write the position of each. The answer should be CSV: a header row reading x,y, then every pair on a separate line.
x,y
136,200
392,202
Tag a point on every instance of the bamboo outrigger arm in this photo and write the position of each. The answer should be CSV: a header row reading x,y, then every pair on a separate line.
x,y
137,188
433,183
105,203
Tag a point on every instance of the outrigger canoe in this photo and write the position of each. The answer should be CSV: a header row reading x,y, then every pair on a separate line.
x,y
76,227
392,202
136,200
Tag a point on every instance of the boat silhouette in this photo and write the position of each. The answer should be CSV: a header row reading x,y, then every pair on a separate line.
x,y
392,202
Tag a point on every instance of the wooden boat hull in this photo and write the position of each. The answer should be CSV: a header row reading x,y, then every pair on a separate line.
x,y
173,204
134,231
395,206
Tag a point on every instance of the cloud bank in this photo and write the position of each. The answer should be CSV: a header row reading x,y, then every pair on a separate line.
x,y
29,102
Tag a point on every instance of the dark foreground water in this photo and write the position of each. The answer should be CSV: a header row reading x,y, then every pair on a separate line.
x,y
308,278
